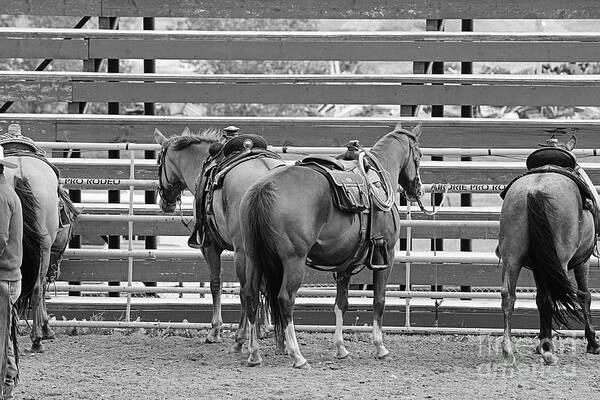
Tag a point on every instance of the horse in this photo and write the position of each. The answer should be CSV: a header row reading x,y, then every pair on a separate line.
x,y
546,226
181,162
37,186
289,217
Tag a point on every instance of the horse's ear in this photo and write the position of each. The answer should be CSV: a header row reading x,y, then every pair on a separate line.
x,y
571,143
417,130
186,132
159,137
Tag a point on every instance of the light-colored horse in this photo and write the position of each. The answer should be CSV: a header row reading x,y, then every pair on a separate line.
x,y
289,216
180,164
36,184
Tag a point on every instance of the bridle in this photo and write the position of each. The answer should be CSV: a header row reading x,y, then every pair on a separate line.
x,y
416,156
415,151
163,178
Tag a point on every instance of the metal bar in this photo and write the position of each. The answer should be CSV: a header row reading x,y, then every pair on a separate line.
x,y
301,328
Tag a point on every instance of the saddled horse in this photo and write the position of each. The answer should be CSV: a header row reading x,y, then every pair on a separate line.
x,y
289,219
180,165
546,225
44,239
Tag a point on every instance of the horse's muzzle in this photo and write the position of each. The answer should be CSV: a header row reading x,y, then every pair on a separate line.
x,y
167,207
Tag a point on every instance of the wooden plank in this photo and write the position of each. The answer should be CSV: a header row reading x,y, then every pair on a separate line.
x,y
173,226
307,131
315,9
364,50
580,90
43,48
455,9
348,93
438,173
185,270
43,7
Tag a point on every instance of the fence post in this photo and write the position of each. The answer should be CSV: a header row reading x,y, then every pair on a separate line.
x,y
114,196
149,109
466,111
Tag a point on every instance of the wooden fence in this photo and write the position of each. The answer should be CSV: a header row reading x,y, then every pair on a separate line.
x,y
427,50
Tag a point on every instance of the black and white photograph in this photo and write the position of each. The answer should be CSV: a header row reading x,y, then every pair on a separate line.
x,y
299,199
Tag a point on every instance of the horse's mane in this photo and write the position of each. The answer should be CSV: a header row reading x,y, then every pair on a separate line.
x,y
382,145
209,135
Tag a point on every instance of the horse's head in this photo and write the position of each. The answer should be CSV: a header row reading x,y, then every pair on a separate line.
x,y
176,170
409,177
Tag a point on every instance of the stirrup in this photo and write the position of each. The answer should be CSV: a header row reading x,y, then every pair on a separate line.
x,y
378,256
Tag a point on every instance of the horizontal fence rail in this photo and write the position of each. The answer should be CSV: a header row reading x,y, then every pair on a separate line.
x,y
444,132
312,9
495,90
348,46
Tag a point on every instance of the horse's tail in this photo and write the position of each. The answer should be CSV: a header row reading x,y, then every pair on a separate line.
x,y
553,285
261,236
32,242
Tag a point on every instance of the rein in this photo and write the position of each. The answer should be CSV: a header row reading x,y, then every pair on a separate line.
x,y
171,187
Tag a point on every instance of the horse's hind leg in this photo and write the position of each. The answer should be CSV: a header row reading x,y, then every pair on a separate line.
x,y
293,275
213,258
47,332
239,260
585,299
341,305
380,278
510,274
545,348
40,326
251,292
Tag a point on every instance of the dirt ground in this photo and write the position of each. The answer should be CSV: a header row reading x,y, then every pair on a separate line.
x,y
133,364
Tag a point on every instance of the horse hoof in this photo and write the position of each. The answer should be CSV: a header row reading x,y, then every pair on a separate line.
x,y
49,336
382,354
303,365
38,348
254,360
509,360
210,339
593,349
341,353
549,358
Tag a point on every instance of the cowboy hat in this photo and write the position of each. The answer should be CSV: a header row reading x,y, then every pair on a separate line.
x,y
7,164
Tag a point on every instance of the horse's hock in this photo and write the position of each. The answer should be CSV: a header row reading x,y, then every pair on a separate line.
x,y
479,125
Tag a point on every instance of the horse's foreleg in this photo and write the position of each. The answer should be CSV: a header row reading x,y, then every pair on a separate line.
x,y
239,259
212,254
341,305
585,299
251,292
380,278
510,274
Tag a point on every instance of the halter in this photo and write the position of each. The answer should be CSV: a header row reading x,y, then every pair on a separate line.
x,y
171,186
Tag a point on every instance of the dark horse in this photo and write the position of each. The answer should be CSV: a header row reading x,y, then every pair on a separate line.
x,y
289,217
545,227
180,164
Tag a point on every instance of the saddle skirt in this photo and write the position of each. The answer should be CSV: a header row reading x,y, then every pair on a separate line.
x,y
352,192
222,159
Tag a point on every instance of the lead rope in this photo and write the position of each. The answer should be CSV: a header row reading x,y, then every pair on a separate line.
x,y
435,210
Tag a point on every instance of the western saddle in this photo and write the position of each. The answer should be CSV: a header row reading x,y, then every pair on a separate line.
x,y
357,179
223,157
